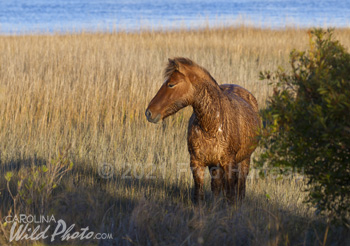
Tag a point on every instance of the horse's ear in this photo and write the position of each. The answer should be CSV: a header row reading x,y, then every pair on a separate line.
x,y
174,63
178,66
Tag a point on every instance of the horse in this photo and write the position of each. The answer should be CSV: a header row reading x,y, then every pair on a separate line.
x,y
221,131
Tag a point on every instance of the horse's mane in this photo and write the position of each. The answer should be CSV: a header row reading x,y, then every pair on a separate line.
x,y
174,64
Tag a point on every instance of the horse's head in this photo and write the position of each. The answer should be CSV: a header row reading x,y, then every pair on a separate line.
x,y
175,93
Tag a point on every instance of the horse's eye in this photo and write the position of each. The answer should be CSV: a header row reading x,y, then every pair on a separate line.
x,y
171,85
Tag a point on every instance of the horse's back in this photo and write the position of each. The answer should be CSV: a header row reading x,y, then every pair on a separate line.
x,y
236,90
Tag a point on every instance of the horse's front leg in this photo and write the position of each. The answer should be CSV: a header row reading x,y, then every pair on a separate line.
x,y
198,176
231,179
217,176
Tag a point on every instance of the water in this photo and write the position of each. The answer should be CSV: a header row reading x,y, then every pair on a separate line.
x,y
23,16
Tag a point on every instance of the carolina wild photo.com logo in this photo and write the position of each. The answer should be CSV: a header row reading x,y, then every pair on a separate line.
x,y
32,227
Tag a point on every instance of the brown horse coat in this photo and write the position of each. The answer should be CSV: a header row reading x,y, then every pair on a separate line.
x,y
222,128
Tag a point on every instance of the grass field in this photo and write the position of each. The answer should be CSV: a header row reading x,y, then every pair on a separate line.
x,y
84,95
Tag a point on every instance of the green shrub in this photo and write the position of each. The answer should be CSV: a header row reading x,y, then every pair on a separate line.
x,y
308,122
32,190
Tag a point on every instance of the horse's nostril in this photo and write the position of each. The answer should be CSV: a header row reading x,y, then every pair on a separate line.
x,y
148,114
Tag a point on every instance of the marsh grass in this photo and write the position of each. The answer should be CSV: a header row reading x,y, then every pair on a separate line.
x,y
88,92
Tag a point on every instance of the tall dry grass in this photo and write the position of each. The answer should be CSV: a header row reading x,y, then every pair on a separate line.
x,y
88,92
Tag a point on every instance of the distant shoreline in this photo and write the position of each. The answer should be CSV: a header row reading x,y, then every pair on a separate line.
x,y
180,28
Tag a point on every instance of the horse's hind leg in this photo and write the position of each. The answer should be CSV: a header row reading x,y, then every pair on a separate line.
x,y
217,175
243,173
231,180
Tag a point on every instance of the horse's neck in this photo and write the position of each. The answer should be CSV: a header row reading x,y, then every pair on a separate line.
x,y
208,107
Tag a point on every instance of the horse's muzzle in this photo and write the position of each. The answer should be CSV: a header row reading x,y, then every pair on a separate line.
x,y
149,115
